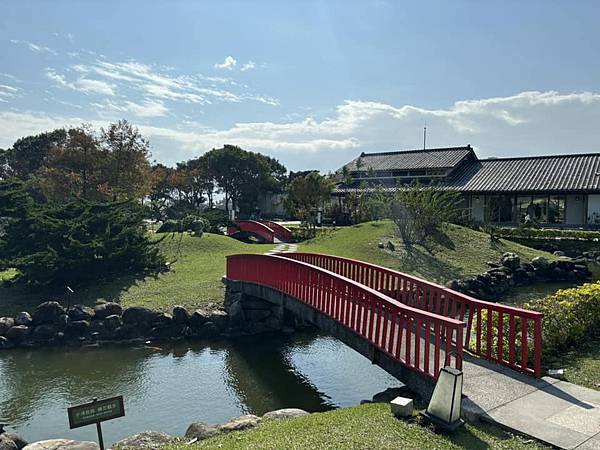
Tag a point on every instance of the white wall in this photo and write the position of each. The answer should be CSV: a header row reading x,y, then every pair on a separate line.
x,y
593,206
575,210
477,205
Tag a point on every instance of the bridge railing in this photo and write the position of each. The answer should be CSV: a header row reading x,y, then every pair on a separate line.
x,y
252,226
420,340
282,233
507,335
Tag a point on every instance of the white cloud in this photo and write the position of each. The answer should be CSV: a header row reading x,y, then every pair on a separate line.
x,y
148,108
34,47
82,84
249,65
8,92
229,63
526,123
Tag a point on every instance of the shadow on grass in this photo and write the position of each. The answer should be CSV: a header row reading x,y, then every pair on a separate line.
x,y
582,363
16,298
422,261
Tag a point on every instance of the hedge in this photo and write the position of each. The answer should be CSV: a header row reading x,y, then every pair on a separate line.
x,y
547,233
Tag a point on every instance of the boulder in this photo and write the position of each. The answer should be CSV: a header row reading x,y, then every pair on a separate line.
x,y
103,310
44,332
18,333
5,343
62,322
18,440
240,423
146,439
6,323
198,318
139,315
201,431
6,443
81,312
23,318
77,328
510,260
163,320
62,444
540,263
558,253
286,413
47,312
112,322
219,318
180,315
256,315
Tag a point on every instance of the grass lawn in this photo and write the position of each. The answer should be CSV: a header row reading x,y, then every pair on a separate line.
x,y
193,281
368,426
464,252
582,364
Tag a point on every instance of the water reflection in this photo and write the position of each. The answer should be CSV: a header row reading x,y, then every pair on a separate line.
x,y
167,388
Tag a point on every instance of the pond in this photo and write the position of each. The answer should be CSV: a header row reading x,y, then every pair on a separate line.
x,y
169,386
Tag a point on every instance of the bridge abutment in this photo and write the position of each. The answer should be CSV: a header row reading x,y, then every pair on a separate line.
x,y
254,309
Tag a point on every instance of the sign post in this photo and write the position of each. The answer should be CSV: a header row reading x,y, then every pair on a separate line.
x,y
95,413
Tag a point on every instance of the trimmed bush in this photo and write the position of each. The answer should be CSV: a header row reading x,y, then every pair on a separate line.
x,y
546,233
569,316
193,224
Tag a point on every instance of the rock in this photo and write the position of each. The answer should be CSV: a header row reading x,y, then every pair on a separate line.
x,y
6,323
43,332
6,443
18,333
18,440
219,318
198,318
402,407
47,312
558,253
286,413
557,373
103,310
23,318
81,312
5,343
62,322
163,320
511,260
256,315
240,423
201,431
146,439
380,245
389,394
62,444
453,284
180,315
540,263
139,315
112,322
390,246
77,328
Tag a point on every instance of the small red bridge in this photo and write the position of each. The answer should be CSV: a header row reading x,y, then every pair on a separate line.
x,y
264,231
407,321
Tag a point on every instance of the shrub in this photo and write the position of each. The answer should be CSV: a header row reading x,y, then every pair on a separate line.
x,y
569,316
192,224
216,218
547,233
73,243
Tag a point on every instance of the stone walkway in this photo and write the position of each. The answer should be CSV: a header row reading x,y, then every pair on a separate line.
x,y
283,248
556,412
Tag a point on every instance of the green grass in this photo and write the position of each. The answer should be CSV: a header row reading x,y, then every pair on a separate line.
x,y
462,251
368,426
582,364
194,279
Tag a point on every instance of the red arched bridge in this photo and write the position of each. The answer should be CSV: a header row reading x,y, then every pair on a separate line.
x,y
406,321
264,231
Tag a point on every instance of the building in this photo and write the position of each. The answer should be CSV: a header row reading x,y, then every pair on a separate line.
x,y
557,191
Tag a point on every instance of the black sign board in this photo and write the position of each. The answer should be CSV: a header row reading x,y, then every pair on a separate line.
x,y
96,412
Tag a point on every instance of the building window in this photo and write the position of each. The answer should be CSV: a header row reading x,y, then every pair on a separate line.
x,y
499,208
556,209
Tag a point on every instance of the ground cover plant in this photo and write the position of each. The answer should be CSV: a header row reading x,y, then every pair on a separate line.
x,y
367,426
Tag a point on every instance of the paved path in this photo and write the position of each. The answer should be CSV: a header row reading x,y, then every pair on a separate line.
x,y
556,412
283,248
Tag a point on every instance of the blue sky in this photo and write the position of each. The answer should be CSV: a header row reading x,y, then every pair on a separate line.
x,y
312,83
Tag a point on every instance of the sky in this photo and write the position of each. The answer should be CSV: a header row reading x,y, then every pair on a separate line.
x,y
311,83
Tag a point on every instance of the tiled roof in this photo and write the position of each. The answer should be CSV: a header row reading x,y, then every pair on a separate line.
x,y
577,172
436,158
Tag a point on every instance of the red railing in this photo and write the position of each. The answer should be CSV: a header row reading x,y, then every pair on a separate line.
x,y
252,226
504,334
282,233
420,340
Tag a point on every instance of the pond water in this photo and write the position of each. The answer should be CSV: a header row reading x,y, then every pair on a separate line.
x,y
167,387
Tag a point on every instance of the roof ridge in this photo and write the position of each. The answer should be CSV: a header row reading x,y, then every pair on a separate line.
x,y
426,150
512,158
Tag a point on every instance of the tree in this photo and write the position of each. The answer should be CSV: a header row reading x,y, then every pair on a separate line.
x,y
128,168
306,195
73,243
27,155
75,168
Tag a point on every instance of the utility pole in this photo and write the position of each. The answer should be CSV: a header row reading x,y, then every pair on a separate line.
x,y
424,137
